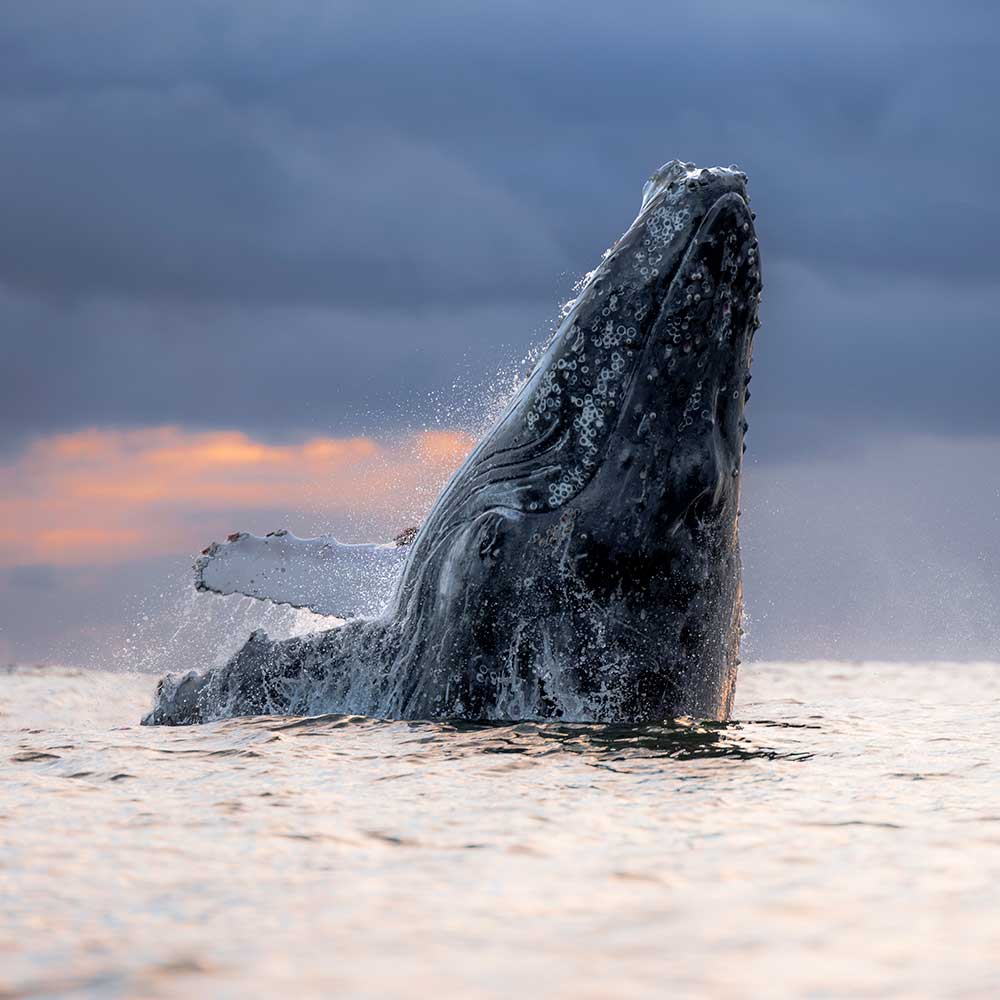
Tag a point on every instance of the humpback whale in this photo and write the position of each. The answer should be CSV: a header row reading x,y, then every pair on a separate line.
x,y
583,563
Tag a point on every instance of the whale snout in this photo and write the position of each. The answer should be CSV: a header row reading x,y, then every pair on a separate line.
x,y
693,183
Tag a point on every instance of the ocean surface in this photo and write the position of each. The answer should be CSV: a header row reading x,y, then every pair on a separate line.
x,y
840,838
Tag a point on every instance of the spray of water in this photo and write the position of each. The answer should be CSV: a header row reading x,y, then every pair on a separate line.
x,y
179,629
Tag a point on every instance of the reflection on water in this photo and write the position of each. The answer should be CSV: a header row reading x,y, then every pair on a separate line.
x,y
682,739
840,837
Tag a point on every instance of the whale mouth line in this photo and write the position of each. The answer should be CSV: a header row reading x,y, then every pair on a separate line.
x,y
713,210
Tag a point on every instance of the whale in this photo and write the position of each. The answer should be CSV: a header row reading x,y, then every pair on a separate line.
x,y
583,562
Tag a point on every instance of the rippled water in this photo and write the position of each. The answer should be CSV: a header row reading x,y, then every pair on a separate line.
x,y
841,838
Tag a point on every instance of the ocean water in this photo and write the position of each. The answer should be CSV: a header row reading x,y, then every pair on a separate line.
x,y
840,838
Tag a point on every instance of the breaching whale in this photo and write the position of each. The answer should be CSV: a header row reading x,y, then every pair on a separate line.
x,y
583,563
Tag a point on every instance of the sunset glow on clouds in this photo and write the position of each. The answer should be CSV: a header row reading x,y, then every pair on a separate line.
x,y
102,496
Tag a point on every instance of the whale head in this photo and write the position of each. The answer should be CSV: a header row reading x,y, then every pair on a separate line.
x,y
584,560
661,339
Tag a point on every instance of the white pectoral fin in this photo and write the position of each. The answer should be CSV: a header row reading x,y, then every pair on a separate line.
x,y
320,574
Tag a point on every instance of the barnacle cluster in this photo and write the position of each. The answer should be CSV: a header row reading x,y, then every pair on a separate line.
x,y
586,384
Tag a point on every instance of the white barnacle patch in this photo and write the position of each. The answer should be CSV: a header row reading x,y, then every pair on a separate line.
x,y
547,396
691,407
583,387
662,225
588,377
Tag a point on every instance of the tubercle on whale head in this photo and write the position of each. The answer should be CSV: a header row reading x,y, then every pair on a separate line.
x,y
676,173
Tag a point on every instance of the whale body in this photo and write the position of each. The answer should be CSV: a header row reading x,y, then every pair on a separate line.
x,y
583,563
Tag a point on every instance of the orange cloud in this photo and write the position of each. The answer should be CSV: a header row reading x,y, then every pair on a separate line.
x,y
101,496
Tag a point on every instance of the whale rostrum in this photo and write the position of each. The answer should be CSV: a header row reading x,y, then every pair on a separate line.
x,y
583,563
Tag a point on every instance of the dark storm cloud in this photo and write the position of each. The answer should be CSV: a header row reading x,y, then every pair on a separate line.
x,y
235,150
305,218
273,369
288,216
838,361
180,195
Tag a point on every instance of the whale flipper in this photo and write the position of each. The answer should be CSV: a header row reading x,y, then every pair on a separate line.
x,y
319,574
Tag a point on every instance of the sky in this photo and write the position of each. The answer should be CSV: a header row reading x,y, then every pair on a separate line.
x,y
274,265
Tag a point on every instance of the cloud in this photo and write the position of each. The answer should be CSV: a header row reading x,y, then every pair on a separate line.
x,y
879,552
255,131
336,222
272,371
889,551
838,357
309,222
229,152
98,497
220,215
181,194
841,361
40,578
